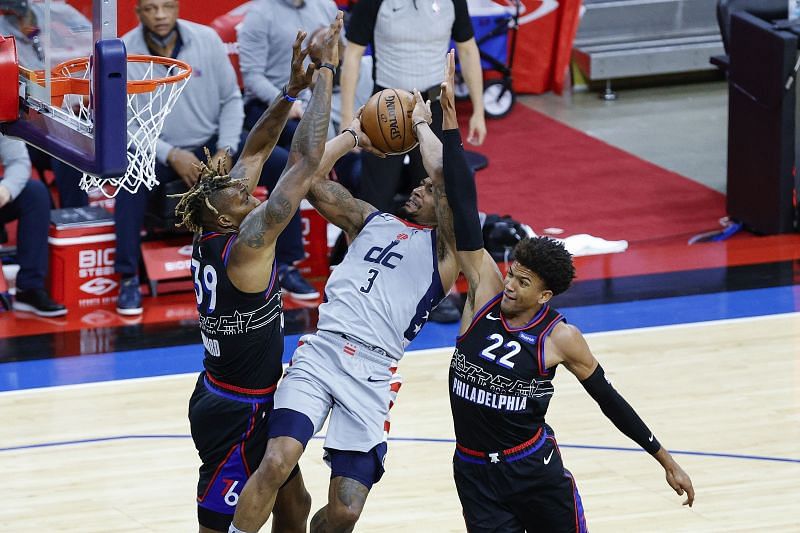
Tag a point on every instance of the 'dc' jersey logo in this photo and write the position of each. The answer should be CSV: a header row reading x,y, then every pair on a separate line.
x,y
384,256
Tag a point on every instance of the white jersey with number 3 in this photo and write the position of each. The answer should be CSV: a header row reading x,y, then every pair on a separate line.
x,y
383,291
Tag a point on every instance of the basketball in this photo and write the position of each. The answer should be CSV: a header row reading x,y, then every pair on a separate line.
x,y
386,120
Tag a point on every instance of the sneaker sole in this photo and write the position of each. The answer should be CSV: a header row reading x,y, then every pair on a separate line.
x,y
130,312
21,306
297,296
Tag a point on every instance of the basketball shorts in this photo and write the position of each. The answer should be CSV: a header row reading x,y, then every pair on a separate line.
x,y
529,490
353,383
230,433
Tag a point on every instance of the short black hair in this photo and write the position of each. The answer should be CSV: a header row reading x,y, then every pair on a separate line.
x,y
548,259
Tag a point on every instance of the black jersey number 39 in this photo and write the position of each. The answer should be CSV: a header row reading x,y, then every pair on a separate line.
x,y
205,284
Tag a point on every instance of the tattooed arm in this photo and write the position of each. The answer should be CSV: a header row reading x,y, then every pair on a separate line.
x,y
330,198
253,253
265,134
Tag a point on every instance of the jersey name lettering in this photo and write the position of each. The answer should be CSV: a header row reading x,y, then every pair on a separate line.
x,y
489,399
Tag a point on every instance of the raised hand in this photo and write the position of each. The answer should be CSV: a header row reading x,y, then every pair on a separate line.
x,y
301,76
448,98
422,111
330,46
364,142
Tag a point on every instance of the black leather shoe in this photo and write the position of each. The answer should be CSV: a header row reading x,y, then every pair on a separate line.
x,y
38,302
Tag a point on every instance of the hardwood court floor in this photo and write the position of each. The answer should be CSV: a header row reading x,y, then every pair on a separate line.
x,y
730,387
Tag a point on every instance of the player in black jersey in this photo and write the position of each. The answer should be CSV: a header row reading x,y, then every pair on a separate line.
x,y
239,300
507,465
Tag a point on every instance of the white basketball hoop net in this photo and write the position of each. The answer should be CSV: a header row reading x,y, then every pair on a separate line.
x,y
154,85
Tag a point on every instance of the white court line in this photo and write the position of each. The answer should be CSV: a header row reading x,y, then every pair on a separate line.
x,y
645,329
413,353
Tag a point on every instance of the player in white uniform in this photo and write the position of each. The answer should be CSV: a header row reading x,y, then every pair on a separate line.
x,y
376,301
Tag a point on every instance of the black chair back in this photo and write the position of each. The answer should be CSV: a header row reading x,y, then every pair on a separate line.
x,y
764,9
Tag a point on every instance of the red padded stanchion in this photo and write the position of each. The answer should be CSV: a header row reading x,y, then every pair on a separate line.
x,y
225,26
9,76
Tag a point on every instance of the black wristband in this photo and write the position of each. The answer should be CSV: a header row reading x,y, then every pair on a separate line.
x,y
414,127
328,66
619,411
352,132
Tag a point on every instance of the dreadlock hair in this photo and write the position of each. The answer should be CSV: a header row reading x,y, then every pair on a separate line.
x,y
548,259
213,178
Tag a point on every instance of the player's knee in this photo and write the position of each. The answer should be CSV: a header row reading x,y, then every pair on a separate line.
x,y
273,471
346,502
345,515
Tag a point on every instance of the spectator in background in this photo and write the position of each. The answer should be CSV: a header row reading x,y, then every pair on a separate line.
x,y
28,201
208,114
265,47
409,40
70,37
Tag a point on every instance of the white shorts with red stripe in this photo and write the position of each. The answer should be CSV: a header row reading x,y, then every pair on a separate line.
x,y
355,384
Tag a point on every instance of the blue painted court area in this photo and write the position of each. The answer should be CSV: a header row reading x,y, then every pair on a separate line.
x,y
590,319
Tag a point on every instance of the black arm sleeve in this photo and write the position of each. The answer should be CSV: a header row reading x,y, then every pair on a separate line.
x,y
462,25
462,195
619,411
361,26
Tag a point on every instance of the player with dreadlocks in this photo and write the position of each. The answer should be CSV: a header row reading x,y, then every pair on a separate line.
x,y
238,298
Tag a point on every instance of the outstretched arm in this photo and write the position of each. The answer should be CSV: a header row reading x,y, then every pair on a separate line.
x,y
330,198
568,346
431,149
254,249
480,270
266,132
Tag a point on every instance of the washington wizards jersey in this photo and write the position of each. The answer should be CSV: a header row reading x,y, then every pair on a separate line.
x,y
242,332
499,386
383,291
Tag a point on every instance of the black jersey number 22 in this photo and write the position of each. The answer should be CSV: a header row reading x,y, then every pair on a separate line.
x,y
490,352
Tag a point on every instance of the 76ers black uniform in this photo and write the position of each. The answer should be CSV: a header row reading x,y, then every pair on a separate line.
x,y
507,465
243,338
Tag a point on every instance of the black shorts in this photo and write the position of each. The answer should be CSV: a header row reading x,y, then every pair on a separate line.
x,y
532,493
230,434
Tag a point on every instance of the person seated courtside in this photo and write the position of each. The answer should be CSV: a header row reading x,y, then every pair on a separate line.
x,y
27,201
